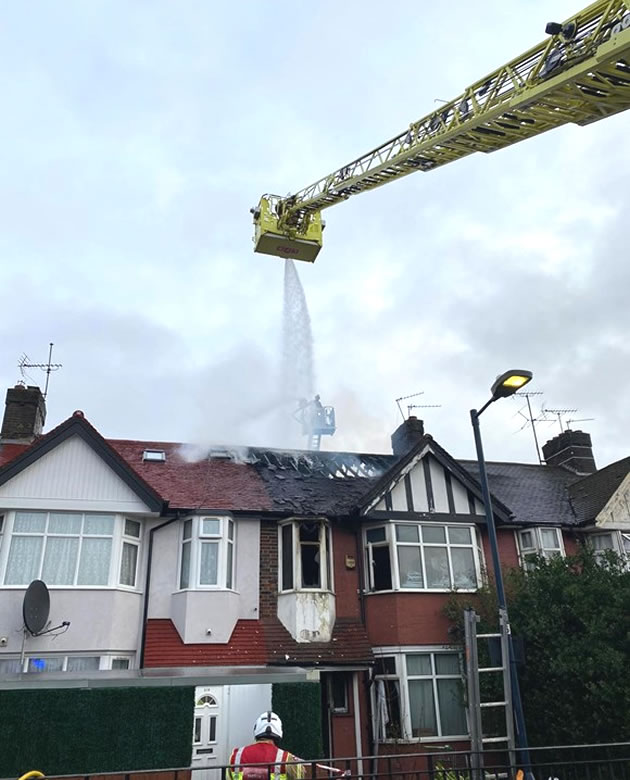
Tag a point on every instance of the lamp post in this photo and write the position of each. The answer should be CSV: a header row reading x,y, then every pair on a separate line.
x,y
506,384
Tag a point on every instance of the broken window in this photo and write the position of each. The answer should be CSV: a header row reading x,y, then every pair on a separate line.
x,y
305,555
422,556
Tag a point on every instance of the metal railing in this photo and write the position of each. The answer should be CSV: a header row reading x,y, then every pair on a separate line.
x,y
559,762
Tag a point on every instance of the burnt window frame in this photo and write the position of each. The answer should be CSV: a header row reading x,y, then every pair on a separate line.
x,y
290,581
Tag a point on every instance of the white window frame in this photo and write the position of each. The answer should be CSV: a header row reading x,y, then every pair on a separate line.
x,y
117,536
620,543
539,547
393,544
324,542
225,539
399,654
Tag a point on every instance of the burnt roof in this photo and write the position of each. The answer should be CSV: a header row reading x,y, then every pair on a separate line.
x,y
246,479
590,495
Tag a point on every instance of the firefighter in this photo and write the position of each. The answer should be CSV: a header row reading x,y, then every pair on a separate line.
x,y
265,750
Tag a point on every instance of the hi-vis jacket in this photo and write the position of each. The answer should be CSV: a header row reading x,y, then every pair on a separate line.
x,y
263,752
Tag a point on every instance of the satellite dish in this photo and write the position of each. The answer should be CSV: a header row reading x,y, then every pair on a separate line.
x,y
36,606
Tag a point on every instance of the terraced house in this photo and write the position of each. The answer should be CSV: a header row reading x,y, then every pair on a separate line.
x,y
242,569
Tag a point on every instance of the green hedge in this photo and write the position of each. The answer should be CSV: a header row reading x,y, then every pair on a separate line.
x,y
70,731
299,707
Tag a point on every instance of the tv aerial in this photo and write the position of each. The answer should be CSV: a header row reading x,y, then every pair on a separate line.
x,y
410,407
35,612
48,367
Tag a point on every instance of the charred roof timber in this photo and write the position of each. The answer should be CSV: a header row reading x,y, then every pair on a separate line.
x,y
334,465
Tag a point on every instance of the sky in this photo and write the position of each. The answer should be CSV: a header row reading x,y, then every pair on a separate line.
x,y
137,135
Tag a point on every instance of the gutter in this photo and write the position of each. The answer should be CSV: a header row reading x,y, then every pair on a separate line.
x,y
147,583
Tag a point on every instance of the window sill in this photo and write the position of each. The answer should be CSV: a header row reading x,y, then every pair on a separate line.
x,y
424,740
306,590
422,590
74,588
206,589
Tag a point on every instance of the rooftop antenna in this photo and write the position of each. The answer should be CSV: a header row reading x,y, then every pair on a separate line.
x,y
404,398
559,413
48,367
582,419
527,394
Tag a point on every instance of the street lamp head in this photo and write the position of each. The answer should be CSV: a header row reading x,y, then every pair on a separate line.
x,y
509,382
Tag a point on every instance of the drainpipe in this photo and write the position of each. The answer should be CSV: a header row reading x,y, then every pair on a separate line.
x,y
147,584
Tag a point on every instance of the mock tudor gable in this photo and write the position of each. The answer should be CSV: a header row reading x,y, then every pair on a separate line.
x,y
428,481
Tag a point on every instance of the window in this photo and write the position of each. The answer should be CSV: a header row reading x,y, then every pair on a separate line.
x,y
617,541
540,541
420,695
387,705
305,556
207,553
156,455
338,692
71,549
419,556
62,663
129,558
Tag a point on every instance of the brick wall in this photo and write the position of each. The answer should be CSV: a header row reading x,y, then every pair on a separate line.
x,y
346,578
268,568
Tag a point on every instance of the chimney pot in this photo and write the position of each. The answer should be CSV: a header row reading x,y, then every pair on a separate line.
x,y
24,414
407,435
572,450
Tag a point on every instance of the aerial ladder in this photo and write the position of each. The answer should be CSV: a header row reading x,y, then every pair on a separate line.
x,y
579,74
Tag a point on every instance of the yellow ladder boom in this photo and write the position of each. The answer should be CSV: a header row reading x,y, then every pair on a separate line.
x,y
580,74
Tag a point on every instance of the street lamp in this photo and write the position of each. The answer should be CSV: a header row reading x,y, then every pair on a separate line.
x,y
505,384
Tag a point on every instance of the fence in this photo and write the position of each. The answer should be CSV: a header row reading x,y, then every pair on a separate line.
x,y
566,762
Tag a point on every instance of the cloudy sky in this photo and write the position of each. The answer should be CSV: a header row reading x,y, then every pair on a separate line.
x,y
137,134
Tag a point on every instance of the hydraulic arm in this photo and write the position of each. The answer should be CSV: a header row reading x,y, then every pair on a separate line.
x,y
580,74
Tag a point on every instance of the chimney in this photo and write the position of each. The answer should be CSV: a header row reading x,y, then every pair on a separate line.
x,y
24,414
572,450
407,435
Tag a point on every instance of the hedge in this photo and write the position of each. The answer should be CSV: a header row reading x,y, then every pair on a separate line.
x,y
299,707
70,731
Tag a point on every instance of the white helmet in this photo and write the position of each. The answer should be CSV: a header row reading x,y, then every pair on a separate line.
x,y
268,724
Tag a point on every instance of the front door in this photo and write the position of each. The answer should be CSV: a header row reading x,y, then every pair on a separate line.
x,y
208,750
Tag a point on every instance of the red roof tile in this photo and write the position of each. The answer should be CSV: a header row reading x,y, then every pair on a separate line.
x,y
10,451
207,483
349,645
164,647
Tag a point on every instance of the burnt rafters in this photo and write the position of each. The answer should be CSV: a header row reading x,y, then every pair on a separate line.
x,y
333,465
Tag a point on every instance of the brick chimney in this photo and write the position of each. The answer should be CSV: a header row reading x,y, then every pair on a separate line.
x,y
24,414
572,450
407,435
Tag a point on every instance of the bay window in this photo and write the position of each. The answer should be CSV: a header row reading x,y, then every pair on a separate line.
x,y
617,541
546,542
419,695
422,556
71,549
207,553
305,555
